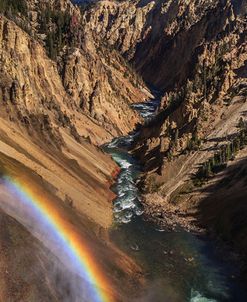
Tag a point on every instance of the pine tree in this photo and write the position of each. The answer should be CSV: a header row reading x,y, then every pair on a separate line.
x,y
209,169
241,123
176,135
228,152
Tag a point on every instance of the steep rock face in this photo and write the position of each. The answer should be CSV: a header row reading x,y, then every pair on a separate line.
x,y
96,78
36,108
32,93
47,139
121,24
102,87
161,38
171,47
227,191
191,113
96,84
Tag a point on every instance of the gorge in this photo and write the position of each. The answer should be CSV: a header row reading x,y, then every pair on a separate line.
x,y
123,140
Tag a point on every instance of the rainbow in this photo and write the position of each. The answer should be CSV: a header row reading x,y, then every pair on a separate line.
x,y
65,235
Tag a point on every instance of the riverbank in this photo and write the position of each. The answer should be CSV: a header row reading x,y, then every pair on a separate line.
x,y
184,205
216,209
169,216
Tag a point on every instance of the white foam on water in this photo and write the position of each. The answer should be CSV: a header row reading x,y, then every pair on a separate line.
x,y
128,204
197,297
128,196
118,207
139,212
160,230
124,163
128,215
126,176
125,220
113,144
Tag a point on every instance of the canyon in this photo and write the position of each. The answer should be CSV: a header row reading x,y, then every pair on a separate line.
x,y
71,79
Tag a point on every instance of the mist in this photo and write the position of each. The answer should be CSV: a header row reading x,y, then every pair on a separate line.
x,y
63,274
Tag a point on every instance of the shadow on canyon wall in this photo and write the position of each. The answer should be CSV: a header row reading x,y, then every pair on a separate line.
x,y
225,207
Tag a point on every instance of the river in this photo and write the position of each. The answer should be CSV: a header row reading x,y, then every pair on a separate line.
x,y
179,265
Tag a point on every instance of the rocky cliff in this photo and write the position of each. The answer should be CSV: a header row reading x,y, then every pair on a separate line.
x,y
195,53
191,112
97,81
161,38
197,109
59,102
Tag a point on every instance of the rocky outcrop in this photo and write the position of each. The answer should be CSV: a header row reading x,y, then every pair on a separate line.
x,y
161,38
102,87
191,111
180,27
96,79
121,24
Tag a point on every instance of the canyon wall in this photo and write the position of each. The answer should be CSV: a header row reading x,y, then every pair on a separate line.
x,y
56,111
195,53
161,38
